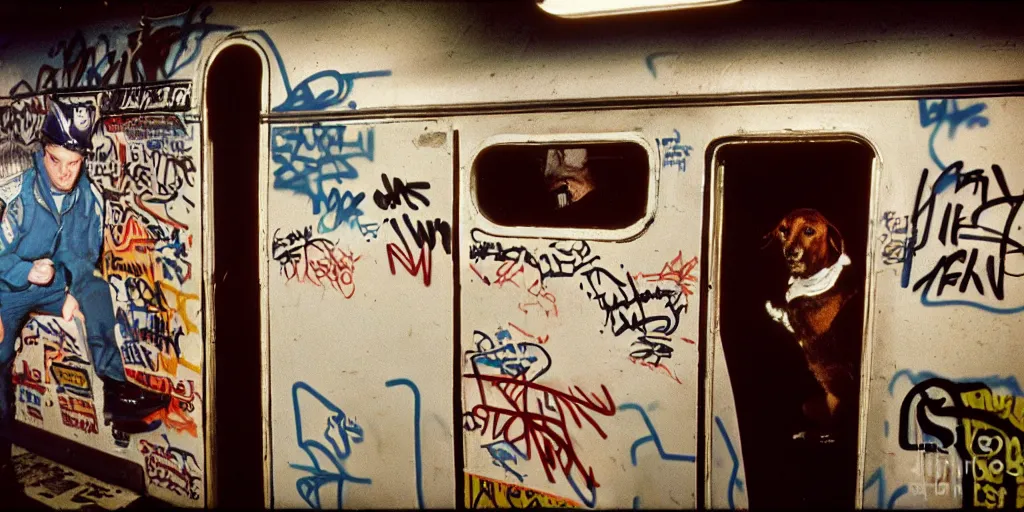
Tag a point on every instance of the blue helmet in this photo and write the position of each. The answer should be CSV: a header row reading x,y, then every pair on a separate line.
x,y
70,126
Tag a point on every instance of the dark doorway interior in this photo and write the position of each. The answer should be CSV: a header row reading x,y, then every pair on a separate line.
x,y
233,90
770,376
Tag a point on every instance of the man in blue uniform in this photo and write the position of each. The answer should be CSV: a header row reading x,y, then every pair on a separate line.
x,y
51,237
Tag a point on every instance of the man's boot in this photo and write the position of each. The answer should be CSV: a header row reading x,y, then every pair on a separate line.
x,y
122,400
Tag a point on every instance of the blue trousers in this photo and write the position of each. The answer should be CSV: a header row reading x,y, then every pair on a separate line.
x,y
93,295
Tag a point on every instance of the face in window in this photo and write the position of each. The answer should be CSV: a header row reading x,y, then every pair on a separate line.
x,y
592,185
62,166
566,170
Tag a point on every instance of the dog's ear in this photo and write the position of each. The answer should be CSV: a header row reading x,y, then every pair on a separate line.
x,y
835,240
769,237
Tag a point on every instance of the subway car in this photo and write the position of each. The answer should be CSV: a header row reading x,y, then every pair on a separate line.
x,y
542,253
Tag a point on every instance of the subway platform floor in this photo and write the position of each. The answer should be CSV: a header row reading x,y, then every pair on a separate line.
x,y
50,485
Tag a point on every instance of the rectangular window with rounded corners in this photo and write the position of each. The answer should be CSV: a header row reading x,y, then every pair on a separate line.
x,y
792,284
602,185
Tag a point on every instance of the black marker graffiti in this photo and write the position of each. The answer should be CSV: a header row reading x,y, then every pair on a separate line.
x,y
652,313
651,349
286,249
158,50
304,257
561,259
21,120
424,234
975,213
168,97
988,436
623,303
397,190
90,494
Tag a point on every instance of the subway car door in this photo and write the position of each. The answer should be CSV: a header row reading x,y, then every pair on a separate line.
x,y
361,328
579,311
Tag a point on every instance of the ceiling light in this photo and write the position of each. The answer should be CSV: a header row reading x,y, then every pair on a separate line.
x,y
591,8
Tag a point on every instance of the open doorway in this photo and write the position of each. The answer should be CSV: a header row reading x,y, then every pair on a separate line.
x,y
792,279
233,89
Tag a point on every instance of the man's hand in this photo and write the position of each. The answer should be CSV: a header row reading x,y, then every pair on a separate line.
x,y
42,272
70,309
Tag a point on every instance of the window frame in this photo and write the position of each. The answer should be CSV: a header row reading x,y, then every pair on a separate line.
x,y
479,220
711,334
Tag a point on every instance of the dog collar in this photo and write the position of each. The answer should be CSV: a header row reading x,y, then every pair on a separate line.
x,y
819,283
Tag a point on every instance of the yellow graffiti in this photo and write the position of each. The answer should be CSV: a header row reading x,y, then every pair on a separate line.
x,y
132,255
191,366
169,364
180,303
487,493
997,461
70,377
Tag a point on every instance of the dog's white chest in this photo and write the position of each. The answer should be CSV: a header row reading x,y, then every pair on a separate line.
x,y
821,282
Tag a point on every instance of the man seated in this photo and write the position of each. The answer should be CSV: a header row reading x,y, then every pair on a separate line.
x,y
51,237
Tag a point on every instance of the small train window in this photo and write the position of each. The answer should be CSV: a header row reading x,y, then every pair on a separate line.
x,y
579,185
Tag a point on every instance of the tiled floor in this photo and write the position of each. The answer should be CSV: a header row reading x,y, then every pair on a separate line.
x,y
61,488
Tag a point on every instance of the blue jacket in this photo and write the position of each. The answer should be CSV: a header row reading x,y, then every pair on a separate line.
x,y
31,230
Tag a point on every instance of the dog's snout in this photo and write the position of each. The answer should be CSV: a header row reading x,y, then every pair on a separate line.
x,y
792,252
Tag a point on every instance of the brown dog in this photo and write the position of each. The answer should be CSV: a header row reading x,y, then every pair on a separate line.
x,y
813,251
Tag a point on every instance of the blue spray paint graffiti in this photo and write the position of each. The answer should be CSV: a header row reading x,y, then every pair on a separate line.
x,y
313,160
506,455
946,111
416,420
158,50
734,477
334,87
340,433
878,477
995,382
191,41
674,152
302,96
981,210
937,113
523,359
655,56
652,437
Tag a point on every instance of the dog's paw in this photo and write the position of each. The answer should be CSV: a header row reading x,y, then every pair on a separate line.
x,y
778,314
